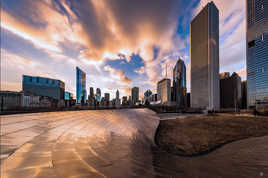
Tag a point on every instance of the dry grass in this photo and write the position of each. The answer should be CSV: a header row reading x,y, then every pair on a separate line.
x,y
198,135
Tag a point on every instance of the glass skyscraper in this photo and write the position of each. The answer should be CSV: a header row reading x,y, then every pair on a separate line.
x,y
257,52
205,91
81,92
135,95
179,84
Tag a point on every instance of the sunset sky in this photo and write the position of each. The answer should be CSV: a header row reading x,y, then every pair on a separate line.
x,y
118,43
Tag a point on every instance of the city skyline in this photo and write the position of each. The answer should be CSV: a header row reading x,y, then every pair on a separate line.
x,y
55,50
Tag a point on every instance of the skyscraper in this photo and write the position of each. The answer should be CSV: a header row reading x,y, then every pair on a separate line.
x,y
135,95
106,99
117,100
91,92
117,95
257,52
98,95
163,91
230,90
205,58
81,93
179,84
91,97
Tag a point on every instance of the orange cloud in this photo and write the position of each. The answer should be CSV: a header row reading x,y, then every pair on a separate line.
x,y
118,74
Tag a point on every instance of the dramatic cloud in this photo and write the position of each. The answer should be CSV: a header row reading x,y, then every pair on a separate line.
x,y
92,33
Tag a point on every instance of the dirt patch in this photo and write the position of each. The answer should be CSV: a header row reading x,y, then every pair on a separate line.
x,y
198,135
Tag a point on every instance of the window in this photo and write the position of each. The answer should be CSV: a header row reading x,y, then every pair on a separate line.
x,y
47,81
31,79
37,79
53,82
251,44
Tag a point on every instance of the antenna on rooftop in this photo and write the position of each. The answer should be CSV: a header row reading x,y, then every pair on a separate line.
x,y
166,70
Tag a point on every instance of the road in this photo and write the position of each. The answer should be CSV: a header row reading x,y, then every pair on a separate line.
x,y
113,143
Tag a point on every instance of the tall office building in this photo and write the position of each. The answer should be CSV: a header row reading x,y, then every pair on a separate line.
x,y
91,98
230,90
179,84
117,95
257,52
98,94
244,95
106,99
42,86
164,91
205,59
91,92
134,95
81,93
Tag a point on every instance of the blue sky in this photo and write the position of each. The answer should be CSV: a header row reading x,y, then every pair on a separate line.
x,y
119,43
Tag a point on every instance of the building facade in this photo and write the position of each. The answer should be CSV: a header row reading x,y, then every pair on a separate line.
x,y
257,52
134,95
205,59
68,96
244,95
42,86
179,84
164,91
15,101
81,92
230,91
106,99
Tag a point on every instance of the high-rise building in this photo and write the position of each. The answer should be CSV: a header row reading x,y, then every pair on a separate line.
x,y
91,92
81,92
98,95
134,95
147,96
163,91
179,84
205,59
68,96
91,97
107,98
257,55
244,95
117,101
117,94
42,86
188,100
230,90
124,101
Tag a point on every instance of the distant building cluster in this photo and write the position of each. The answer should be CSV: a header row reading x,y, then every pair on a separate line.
x,y
209,89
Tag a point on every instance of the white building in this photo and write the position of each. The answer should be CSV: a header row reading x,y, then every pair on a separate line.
x,y
205,92
164,91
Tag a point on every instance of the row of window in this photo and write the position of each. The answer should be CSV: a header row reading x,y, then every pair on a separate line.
x,y
252,43
38,80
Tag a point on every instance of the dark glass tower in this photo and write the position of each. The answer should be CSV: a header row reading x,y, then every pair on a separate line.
x,y
179,83
257,52
81,92
134,95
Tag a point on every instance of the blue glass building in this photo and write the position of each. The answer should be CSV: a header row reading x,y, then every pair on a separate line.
x,y
257,52
81,93
179,84
42,86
